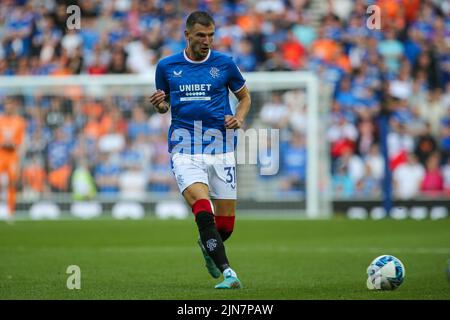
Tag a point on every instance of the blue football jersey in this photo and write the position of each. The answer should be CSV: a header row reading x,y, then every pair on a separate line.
x,y
199,101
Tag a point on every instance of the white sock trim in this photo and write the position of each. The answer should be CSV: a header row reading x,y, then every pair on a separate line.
x,y
228,272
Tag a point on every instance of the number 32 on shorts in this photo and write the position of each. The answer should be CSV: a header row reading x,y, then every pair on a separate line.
x,y
231,176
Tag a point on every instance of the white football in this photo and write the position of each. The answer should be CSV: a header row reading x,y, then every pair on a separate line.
x,y
385,272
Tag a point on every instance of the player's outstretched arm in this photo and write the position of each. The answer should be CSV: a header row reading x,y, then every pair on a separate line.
x,y
242,109
158,100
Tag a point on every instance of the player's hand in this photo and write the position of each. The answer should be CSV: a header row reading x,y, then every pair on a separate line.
x,y
157,99
231,122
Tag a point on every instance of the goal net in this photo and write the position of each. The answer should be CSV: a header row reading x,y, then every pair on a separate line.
x,y
98,138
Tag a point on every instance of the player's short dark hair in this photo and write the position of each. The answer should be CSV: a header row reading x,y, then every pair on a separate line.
x,y
201,17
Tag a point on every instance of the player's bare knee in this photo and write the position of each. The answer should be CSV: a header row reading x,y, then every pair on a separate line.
x,y
195,192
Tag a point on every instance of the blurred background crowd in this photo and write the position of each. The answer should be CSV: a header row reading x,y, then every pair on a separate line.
x,y
117,145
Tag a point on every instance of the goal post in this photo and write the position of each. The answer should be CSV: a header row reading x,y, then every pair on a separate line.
x,y
318,201
315,202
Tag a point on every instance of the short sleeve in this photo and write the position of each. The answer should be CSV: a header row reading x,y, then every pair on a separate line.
x,y
160,79
235,79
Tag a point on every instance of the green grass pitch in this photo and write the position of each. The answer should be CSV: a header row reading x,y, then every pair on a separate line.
x,y
275,259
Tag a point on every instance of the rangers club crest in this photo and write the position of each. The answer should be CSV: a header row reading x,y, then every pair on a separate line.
x,y
211,244
214,72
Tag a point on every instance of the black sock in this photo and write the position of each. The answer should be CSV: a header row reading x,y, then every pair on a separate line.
x,y
211,239
224,235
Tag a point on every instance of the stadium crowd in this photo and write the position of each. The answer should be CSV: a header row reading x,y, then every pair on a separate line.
x,y
119,144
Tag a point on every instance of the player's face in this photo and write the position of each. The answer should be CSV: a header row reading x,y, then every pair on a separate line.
x,y
200,39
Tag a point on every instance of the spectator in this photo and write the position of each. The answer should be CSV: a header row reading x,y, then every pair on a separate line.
x,y
400,141
426,62
369,185
367,137
89,35
59,162
391,50
18,31
138,123
345,97
275,114
293,52
413,46
93,129
342,184
303,31
323,48
433,110
83,185
159,123
408,177
341,8
425,145
97,67
341,134
161,179
112,141
85,147
275,62
353,164
375,161
245,59
133,183
433,181
113,120
296,103
34,177
37,140
75,63
71,42
293,165
55,117
401,87
118,64
139,57
106,175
